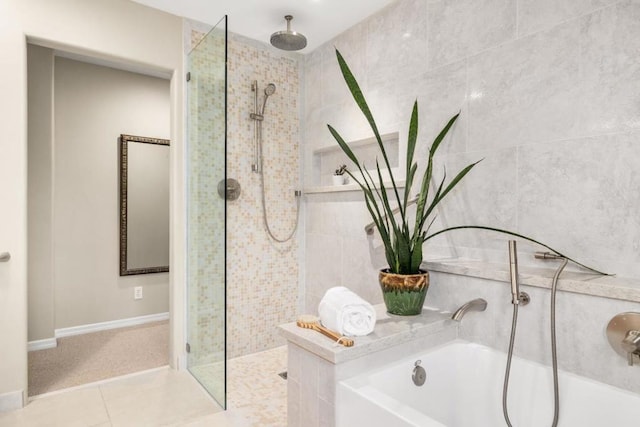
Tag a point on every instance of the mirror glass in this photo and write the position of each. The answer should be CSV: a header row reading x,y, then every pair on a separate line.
x,y
144,205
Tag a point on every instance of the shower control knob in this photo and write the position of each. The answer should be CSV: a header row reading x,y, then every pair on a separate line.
x,y
623,333
229,189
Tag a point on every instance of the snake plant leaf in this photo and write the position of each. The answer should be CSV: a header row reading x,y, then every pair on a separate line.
x,y
404,249
404,254
426,178
441,135
413,136
521,236
344,146
423,216
450,187
385,200
358,96
411,148
377,189
416,257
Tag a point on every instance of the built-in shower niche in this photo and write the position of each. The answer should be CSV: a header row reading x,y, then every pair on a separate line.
x,y
326,160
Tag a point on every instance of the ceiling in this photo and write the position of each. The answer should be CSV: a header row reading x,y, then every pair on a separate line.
x,y
318,20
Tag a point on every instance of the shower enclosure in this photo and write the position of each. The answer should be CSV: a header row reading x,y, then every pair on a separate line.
x,y
206,211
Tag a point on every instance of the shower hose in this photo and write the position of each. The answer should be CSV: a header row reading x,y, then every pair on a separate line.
x,y
554,356
260,170
266,221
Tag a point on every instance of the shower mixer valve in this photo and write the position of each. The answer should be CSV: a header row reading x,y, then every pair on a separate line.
x,y
631,344
623,333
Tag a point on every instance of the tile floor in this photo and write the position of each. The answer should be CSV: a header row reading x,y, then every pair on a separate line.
x,y
164,397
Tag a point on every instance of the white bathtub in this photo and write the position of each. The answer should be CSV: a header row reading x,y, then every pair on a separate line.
x,y
464,389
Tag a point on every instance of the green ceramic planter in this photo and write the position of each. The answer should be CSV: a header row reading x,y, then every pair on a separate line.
x,y
404,294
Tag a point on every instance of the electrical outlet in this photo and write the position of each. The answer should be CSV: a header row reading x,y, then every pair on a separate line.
x,y
137,292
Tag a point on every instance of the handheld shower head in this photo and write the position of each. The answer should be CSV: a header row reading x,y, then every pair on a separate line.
x,y
268,91
513,272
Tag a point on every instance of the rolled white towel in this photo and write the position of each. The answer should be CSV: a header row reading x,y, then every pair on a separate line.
x,y
342,310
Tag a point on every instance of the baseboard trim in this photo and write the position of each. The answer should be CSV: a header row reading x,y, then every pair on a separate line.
x,y
11,401
112,324
42,344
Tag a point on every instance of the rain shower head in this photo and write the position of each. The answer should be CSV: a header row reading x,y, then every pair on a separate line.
x,y
288,40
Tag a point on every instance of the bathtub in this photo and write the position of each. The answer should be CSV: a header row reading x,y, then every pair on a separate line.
x,y
464,389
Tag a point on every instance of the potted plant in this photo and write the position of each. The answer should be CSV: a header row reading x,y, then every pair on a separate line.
x,y
404,284
339,177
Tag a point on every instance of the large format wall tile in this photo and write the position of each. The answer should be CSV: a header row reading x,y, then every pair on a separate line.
x,y
581,198
554,112
334,89
397,42
493,178
535,15
441,94
526,91
611,69
461,28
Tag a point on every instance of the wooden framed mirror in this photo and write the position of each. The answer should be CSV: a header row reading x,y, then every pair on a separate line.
x,y
144,205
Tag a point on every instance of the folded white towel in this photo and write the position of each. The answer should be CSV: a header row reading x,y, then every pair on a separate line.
x,y
345,312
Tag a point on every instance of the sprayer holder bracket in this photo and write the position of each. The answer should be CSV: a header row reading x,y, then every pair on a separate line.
x,y
523,298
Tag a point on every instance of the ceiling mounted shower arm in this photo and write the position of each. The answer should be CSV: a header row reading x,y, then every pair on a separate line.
x,y
288,40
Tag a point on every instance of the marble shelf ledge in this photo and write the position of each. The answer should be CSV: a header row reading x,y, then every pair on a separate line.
x,y
620,288
331,188
347,187
390,331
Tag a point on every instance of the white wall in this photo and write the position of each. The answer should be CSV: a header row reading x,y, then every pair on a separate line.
x,y
74,190
40,188
93,106
549,99
112,29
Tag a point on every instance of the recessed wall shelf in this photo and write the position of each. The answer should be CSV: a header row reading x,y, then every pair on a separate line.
x,y
325,160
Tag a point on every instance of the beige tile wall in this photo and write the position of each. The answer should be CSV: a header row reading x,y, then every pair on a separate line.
x,y
262,275
262,282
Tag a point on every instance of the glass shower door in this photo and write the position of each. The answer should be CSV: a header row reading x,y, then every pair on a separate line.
x,y
206,233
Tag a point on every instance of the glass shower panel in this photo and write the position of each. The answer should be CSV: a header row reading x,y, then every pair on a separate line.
x,y
206,276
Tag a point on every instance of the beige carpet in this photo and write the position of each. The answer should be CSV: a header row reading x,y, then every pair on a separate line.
x,y
83,359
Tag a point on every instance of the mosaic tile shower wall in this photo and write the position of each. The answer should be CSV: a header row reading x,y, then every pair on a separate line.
x,y
262,282
262,276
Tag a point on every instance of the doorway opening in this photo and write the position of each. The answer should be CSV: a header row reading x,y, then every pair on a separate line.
x,y
86,321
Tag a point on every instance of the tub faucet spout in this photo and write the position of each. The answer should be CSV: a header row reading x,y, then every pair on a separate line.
x,y
477,304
